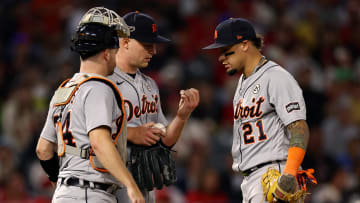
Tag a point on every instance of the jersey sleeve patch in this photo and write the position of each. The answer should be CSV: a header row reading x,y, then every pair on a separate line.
x,y
292,106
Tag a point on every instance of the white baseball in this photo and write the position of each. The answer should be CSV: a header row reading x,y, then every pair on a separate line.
x,y
160,126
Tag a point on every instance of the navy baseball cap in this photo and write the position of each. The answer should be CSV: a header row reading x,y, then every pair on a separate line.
x,y
232,31
143,28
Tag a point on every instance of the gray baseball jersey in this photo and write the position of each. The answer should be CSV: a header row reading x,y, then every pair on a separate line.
x,y
264,104
142,104
141,97
92,106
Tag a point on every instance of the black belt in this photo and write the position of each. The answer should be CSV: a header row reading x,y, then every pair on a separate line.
x,y
110,188
250,170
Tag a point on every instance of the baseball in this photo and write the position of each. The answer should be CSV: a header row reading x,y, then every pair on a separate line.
x,y
160,126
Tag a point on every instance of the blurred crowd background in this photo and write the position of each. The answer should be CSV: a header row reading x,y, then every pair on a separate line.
x,y
317,41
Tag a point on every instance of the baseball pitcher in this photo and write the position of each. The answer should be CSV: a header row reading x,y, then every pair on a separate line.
x,y
150,135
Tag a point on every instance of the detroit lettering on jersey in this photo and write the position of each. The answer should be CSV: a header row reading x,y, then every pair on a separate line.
x,y
246,111
146,106
141,98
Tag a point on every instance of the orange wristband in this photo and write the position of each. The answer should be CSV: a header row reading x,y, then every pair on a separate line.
x,y
294,160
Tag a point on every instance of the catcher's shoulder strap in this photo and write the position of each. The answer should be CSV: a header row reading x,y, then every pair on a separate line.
x,y
67,90
63,96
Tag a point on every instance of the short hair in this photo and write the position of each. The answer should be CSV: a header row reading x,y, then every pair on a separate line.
x,y
258,42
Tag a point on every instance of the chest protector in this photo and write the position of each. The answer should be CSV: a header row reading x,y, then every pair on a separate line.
x,y
62,97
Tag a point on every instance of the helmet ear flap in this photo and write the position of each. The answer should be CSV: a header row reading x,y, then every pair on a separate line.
x,y
92,38
111,38
74,39
72,44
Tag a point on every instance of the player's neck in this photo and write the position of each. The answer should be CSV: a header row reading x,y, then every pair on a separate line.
x,y
128,69
125,67
251,64
92,66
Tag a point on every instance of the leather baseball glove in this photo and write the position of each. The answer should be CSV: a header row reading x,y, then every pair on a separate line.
x,y
274,193
152,166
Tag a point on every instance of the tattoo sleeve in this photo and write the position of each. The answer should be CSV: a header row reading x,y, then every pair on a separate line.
x,y
299,134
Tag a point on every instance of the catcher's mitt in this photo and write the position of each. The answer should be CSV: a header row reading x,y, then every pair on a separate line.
x,y
152,166
273,193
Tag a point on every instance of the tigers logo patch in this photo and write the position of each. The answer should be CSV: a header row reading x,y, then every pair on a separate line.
x,y
292,106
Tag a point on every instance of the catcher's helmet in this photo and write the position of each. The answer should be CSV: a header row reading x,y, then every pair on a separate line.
x,y
98,29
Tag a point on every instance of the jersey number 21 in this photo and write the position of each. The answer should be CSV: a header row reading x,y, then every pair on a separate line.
x,y
249,138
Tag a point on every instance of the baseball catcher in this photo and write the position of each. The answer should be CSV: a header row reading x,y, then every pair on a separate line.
x,y
86,119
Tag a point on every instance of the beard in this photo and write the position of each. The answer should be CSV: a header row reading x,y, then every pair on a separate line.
x,y
231,72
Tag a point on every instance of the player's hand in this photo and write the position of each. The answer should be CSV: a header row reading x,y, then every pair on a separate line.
x,y
287,183
189,100
135,195
286,186
145,134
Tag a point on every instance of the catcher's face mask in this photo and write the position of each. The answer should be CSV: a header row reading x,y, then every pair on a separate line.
x,y
106,17
99,29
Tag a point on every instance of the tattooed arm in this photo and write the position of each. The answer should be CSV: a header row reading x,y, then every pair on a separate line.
x,y
299,137
299,134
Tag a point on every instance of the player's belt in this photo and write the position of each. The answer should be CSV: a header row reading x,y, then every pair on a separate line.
x,y
110,188
250,170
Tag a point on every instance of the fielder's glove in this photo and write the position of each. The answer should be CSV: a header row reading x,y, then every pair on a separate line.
x,y
276,191
152,166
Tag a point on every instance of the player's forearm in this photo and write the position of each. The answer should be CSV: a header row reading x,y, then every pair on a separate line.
x,y
45,149
49,161
109,157
131,134
299,136
173,131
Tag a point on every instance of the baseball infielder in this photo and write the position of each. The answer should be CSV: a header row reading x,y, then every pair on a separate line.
x,y
140,92
87,120
269,111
